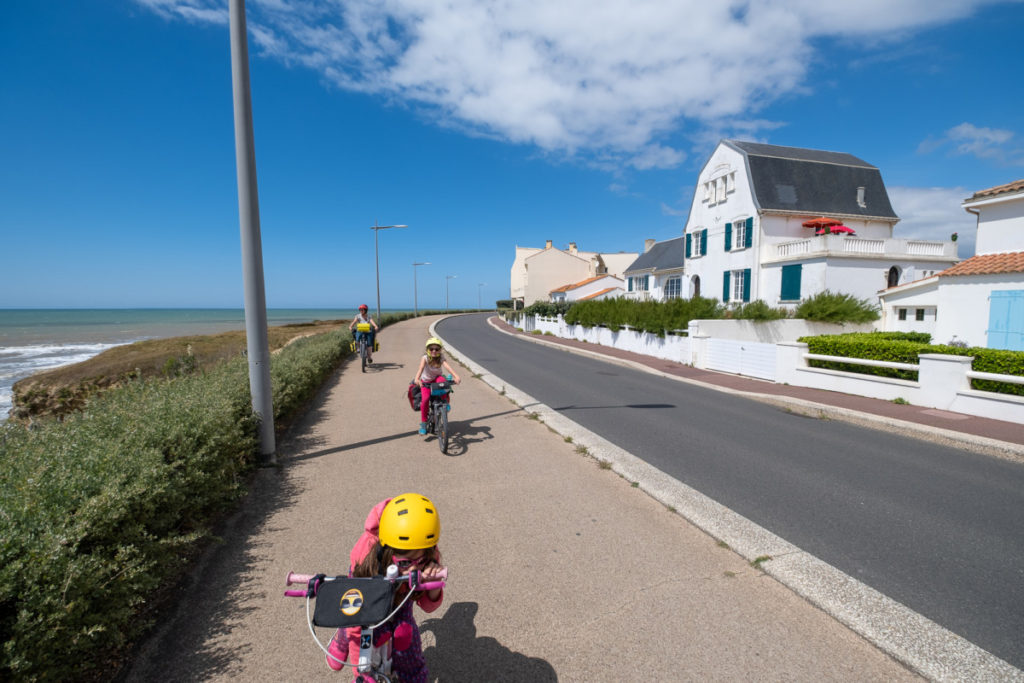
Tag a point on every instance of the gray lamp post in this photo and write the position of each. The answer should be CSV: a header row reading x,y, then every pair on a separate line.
x,y
415,304
376,256
447,278
257,346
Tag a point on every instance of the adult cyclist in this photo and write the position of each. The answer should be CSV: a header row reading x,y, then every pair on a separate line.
x,y
364,317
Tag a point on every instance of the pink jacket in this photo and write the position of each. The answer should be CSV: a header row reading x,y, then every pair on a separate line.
x,y
360,550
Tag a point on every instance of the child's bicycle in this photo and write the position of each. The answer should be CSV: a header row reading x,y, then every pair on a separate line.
x,y
437,410
344,602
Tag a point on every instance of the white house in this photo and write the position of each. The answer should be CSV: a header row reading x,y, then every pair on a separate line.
x,y
658,272
536,272
746,239
599,287
980,301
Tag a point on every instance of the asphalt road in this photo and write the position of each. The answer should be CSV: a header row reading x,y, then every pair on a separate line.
x,y
935,528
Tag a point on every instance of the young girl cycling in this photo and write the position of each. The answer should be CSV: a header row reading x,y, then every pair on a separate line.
x,y
363,316
432,366
403,531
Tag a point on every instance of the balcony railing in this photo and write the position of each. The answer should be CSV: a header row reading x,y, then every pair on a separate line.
x,y
842,245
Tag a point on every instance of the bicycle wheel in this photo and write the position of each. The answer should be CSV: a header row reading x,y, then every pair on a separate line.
x,y
441,417
431,418
362,354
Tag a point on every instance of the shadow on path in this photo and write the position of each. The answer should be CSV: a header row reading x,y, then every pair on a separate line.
x,y
460,655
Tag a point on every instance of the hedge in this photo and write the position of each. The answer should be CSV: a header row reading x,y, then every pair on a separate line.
x,y
102,509
903,347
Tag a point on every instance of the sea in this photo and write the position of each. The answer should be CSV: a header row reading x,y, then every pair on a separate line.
x,y
33,340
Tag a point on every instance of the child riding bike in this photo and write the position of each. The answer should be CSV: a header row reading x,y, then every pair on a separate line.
x,y
403,531
364,317
432,367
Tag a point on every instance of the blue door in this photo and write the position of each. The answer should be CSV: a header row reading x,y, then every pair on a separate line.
x,y
1006,320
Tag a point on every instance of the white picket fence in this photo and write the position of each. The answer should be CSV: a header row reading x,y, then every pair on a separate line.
x,y
944,382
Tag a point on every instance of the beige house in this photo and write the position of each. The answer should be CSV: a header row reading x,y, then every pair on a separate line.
x,y
536,272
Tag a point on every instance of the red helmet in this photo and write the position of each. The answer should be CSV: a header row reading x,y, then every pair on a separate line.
x,y
363,307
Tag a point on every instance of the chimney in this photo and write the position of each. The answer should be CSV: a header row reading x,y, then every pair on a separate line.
x,y
647,245
547,244
860,198
572,248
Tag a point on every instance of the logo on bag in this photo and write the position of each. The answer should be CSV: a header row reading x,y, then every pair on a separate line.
x,y
351,602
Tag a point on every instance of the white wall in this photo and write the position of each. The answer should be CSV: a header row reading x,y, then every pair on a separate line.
x,y
713,216
964,306
1001,226
770,331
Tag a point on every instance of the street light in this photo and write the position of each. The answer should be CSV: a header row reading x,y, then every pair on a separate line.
x,y
446,279
377,228
478,286
415,306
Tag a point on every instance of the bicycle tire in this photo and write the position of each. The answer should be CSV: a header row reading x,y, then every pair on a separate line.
x,y
442,429
362,354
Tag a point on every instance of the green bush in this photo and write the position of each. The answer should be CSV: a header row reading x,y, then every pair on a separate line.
x,y
904,347
102,509
830,307
759,310
655,317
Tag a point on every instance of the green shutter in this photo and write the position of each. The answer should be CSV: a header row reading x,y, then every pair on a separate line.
x,y
629,284
746,285
688,236
704,241
725,286
750,232
728,236
791,282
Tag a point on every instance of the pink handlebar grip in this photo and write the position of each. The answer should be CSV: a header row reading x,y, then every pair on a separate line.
x,y
295,594
297,578
433,585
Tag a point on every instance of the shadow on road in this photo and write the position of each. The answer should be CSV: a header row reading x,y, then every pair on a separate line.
x,y
460,655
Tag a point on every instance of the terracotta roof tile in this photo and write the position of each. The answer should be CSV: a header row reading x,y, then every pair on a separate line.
x,y
597,294
566,288
988,264
1001,189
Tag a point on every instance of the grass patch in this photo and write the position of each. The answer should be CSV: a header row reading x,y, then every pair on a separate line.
x,y
900,401
723,544
567,439
758,561
635,484
604,464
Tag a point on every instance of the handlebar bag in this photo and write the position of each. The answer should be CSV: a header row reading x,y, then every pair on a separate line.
x,y
439,388
353,602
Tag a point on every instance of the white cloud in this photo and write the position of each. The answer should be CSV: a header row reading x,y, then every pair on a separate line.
x,y
984,143
934,213
603,78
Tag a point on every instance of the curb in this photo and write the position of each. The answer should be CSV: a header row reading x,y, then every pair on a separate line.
x,y
908,637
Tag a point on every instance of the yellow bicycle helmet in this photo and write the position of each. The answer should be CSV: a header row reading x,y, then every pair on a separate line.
x,y
433,341
410,522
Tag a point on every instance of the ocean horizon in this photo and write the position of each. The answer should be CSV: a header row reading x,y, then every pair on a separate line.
x,y
36,339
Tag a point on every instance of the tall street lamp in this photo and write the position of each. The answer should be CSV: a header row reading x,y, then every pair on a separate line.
x,y
415,306
446,279
376,255
479,285
257,345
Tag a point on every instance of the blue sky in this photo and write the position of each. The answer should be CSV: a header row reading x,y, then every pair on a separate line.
x,y
480,125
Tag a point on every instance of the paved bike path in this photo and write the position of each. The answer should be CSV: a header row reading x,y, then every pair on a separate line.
x,y
559,569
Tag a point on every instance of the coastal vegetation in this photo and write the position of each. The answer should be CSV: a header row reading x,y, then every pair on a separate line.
x,y
65,390
103,509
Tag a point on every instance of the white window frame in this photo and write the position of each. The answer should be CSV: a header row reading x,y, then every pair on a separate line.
x,y
736,285
739,234
674,287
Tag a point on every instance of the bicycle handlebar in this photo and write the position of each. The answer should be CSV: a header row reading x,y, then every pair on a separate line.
x,y
294,577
